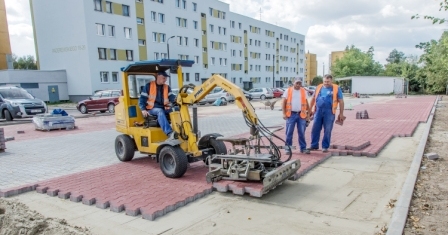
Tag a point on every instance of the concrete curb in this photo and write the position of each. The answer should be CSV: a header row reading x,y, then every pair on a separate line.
x,y
398,221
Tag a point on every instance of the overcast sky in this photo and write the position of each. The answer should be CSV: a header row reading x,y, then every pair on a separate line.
x,y
329,25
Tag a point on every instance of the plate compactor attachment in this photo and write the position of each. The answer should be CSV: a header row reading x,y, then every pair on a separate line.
x,y
241,165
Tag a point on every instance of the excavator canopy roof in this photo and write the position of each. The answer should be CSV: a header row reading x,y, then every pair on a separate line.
x,y
154,66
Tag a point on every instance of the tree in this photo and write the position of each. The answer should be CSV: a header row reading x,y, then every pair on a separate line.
x,y
24,62
395,57
409,69
435,20
316,81
356,63
435,60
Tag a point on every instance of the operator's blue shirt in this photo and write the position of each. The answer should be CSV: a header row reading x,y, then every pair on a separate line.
x,y
325,97
158,103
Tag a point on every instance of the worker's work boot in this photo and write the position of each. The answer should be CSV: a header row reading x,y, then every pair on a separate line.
x,y
324,150
287,149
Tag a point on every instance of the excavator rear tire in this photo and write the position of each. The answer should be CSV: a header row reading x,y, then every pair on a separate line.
x,y
124,148
173,161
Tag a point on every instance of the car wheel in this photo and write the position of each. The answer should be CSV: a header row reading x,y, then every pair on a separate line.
x,y
263,97
173,161
111,108
83,109
7,115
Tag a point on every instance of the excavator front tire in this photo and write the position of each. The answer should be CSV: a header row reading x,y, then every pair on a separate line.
x,y
173,161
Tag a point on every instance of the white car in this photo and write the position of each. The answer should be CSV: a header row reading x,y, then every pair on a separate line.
x,y
262,93
219,93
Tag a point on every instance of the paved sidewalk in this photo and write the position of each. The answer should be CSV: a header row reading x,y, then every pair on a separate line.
x,y
136,201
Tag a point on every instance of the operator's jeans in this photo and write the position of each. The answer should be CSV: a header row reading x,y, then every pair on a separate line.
x,y
323,117
161,118
291,123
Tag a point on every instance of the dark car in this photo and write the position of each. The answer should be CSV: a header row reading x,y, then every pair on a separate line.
x,y
101,101
16,102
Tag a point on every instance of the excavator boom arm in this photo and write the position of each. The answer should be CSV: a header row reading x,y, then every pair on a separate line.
x,y
201,91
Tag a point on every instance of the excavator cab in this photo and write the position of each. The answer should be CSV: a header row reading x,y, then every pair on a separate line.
x,y
249,159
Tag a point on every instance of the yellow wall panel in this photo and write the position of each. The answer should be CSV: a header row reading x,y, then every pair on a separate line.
x,y
141,31
139,9
117,8
143,52
121,54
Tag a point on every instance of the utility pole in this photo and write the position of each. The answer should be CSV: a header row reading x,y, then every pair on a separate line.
x,y
273,70
168,55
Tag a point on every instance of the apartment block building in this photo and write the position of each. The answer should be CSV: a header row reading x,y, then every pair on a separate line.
x,y
5,45
93,39
310,67
333,57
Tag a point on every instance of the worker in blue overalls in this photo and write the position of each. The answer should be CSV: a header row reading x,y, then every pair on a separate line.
x,y
323,106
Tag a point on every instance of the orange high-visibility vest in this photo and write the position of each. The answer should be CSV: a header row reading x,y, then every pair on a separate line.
x,y
153,93
304,108
335,96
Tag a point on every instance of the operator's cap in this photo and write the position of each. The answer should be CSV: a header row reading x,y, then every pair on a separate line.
x,y
163,73
298,80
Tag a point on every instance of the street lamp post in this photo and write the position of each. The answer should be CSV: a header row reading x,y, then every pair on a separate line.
x,y
168,54
273,70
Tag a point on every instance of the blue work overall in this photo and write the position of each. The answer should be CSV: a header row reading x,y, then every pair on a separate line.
x,y
323,117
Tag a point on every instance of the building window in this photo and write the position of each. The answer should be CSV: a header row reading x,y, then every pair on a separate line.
x,y
195,6
163,56
196,59
141,42
154,37
179,41
178,3
29,85
196,42
239,25
108,7
113,54
115,77
225,62
162,37
140,20
129,55
224,31
111,31
100,29
98,6
102,53
156,55
213,61
196,77
127,33
161,18
139,1
104,77
211,28
186,41
153,16
187,77
125,10
195,24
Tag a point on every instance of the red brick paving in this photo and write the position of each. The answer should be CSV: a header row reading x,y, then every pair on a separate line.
x,y
139,187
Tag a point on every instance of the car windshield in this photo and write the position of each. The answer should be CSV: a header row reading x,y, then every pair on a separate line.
x,y
15,94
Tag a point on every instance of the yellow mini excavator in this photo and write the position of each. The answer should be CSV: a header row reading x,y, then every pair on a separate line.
x,y
256,158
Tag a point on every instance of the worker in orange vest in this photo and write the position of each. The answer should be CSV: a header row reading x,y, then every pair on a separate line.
x,y
155,99
295,112
323,106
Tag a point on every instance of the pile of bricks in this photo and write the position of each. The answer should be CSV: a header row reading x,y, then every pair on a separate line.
x,y
362,115
2,140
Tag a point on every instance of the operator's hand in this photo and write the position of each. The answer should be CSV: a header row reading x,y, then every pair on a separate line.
x,y
145,113
341,117
285,117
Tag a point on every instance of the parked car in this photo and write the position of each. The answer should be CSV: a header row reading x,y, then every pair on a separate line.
x,y
278,92
101,101
219,93
311,90
248,95
16,102
176,92
262,93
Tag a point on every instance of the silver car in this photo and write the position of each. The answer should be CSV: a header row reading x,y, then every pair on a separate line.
x,y
219,93
262,93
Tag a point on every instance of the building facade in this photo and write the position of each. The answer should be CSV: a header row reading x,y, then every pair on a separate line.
x,y
333,57
310,67
5,45
93,39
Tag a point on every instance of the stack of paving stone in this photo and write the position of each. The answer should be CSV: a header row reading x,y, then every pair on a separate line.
x,y
2,140
362,115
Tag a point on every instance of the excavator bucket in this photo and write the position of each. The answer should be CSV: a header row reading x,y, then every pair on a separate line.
x,y
256,167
